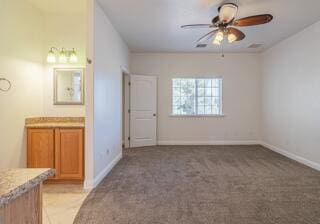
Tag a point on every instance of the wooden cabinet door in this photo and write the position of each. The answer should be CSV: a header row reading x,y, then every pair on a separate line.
x,y
40,148
69,153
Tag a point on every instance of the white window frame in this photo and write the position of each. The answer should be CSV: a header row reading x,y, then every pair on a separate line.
x,y
198,115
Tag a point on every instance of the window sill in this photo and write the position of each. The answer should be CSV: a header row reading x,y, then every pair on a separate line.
x,y
196,115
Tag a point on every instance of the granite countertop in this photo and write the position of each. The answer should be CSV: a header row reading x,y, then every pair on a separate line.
x,y
15,182
53,122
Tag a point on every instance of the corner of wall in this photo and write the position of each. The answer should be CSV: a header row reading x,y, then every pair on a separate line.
x,y
92,183
292,156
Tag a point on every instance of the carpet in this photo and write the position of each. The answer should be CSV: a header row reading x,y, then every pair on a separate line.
x,y
204,185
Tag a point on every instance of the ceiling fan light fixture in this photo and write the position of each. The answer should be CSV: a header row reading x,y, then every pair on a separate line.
x,y
228,12
225,24
216,42
219,36
231,38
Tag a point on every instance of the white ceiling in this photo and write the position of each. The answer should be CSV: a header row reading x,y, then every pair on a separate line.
x,y
60,6
154,25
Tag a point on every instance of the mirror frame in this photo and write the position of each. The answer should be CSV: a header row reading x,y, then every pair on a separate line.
x,y
55,88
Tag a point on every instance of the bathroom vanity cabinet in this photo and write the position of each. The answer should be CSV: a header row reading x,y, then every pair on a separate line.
x,y
57,146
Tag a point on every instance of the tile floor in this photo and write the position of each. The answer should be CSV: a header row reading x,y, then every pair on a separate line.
x,y
61,202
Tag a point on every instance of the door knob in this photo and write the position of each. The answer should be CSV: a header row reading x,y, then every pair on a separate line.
x,y
154,115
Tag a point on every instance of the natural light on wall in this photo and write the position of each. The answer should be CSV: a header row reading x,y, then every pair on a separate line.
x,y
196,97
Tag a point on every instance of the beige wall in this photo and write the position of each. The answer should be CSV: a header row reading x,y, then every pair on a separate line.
x,y
27,34
110,53
69,31
291,96
21,63
241,96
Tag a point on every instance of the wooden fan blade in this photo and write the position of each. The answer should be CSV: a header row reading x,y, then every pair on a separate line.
x,y
253,20
207,36
239,34
191,26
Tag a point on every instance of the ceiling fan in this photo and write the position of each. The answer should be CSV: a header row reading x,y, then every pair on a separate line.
x,y
225,24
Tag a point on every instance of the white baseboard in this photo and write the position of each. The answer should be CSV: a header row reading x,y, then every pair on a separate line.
x,y
89,184
290,155
249,142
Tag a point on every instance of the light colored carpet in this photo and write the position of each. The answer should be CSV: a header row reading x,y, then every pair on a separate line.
x,y
205,185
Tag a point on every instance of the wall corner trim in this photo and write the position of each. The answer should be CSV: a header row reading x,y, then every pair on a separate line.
x,y
292,156
90,184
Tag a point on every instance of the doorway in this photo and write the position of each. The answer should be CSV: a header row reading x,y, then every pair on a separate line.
x,y
125,110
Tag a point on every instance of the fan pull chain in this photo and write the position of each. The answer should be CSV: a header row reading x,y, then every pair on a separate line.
x,y
222,52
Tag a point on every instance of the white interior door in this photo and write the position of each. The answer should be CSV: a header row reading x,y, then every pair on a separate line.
x,y
143,111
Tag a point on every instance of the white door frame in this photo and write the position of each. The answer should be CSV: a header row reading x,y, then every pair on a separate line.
x,y
125,109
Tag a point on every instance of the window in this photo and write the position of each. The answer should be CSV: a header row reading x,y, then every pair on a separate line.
x,y
197,96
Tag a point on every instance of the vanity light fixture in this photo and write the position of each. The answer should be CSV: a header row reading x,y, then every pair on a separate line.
x,y
73,56
51,58
63,55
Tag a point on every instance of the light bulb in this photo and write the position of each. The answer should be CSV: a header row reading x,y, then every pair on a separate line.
x,y
51,58
228,12
63,56
219,36
231,38
216,42
73,57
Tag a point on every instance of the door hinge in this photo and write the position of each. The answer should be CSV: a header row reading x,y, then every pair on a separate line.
x,y
129,83
129,138
129,111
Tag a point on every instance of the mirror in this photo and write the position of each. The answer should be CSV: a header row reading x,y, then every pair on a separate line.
x,y
68,88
